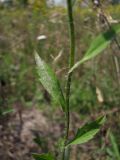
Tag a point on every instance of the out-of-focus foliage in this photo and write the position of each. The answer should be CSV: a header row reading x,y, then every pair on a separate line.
x,y
20,27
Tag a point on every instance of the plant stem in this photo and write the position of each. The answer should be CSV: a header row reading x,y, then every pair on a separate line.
x,y
69,77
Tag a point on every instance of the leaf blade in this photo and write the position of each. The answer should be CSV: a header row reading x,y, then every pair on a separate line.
x,y
42,156
87,132
49,81
7,111
115,147
98,45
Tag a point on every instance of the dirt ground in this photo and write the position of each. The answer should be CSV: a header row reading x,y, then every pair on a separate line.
x,y
17,138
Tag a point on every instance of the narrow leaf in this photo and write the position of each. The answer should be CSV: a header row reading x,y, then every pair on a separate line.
x,y
115,147
49,81
42,156
87,132
98,45
10,110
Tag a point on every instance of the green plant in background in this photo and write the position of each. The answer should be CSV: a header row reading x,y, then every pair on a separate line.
x,y
52,85
113,151
84,95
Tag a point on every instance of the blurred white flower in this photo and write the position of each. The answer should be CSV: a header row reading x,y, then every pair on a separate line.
x,y
41,37
96,2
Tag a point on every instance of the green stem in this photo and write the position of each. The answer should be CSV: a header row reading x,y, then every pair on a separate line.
x,y
69,77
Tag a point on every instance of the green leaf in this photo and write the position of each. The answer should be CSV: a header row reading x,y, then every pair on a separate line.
x,y
42,156
87,132
7,111
98,45
115,147
50,81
